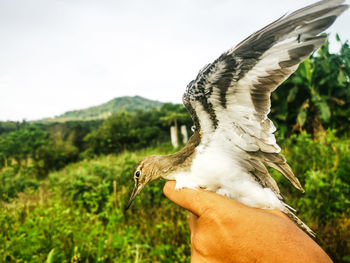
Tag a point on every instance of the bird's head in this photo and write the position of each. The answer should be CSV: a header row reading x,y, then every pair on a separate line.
x,y
145,172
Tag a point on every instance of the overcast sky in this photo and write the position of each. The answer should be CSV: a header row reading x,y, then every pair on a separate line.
x,y
60,55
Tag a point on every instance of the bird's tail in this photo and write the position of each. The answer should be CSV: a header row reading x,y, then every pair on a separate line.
x,y
298,221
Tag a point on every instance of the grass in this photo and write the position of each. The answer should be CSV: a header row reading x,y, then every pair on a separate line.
x,y
77,215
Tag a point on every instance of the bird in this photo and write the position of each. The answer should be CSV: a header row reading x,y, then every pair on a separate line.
x,y
229,101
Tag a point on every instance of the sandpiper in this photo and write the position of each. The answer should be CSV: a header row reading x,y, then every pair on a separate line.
x,y
229,102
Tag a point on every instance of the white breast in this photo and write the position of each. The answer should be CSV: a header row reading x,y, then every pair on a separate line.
x,y
216,168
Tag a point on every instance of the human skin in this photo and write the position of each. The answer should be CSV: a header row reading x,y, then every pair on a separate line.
x,y
224,230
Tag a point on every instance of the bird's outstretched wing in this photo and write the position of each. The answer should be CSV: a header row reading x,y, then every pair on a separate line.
x,y
233,92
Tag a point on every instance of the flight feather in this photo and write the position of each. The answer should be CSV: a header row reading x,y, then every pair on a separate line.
x,y
234,91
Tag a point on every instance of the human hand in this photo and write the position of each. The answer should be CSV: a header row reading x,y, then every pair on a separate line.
x,y
224,230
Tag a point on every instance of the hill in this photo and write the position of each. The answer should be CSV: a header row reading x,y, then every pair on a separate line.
x,y
103,111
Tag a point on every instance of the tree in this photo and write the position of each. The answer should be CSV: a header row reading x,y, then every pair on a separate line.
x,y
173,115
22,144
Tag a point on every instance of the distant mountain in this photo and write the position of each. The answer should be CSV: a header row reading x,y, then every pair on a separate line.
x,y
103,111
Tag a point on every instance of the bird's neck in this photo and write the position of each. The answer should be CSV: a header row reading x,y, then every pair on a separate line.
x,y
180,160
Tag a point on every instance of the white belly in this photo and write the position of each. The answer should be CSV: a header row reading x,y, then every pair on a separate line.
x,y
216,168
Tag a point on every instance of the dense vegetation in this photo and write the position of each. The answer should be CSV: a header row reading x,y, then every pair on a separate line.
x,y
50,146
317,96
63,185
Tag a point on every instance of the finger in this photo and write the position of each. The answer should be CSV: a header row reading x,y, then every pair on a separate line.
x,y
197,201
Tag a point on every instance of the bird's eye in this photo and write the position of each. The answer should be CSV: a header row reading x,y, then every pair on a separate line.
x,y
137,174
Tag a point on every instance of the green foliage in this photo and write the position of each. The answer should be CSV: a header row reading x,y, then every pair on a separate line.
x,y
53,157
72,132
8,126
23,144
13,182
174,113
324,174
44,147
127,131
323,167
51,146
78,216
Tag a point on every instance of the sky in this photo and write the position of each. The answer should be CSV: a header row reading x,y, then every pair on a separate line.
x,y
61,55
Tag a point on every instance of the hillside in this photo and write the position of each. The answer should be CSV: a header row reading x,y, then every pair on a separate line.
x,y
130,104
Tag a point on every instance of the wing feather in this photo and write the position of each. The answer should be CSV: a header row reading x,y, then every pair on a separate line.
x,y
233,92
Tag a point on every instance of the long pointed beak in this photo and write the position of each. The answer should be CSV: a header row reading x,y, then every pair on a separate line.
x,y
137,189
